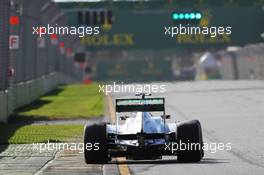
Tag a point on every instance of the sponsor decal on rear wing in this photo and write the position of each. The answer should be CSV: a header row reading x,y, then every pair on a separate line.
x,y
136,104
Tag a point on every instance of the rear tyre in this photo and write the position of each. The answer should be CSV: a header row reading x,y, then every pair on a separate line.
x,y
95,144
190,133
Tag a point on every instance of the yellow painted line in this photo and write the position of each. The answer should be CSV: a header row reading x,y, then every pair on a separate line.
x,y
123,168
111,108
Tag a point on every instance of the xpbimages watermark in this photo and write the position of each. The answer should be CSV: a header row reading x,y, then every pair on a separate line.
x,y
80,147
80,31
211,31
174,147
132,88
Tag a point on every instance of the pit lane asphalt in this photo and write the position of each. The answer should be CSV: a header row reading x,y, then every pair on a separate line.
x,y
229,111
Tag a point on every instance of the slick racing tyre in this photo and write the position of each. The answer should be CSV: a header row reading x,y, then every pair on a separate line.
x,y
189,133
95,144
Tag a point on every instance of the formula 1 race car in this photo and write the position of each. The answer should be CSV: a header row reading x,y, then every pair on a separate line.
x,y
140,134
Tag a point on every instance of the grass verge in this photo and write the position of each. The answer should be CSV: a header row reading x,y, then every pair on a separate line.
x,y
17,134
66,102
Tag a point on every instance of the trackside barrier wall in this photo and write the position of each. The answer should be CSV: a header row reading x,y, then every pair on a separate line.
x,y
3,106
38,69
4,59
26,92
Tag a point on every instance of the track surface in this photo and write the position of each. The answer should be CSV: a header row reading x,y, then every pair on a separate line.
x,y
229,111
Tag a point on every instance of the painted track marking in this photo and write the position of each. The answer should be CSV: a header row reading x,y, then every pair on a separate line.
x,y
123,168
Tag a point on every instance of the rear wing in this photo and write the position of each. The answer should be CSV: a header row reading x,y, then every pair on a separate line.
x,y
140,105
